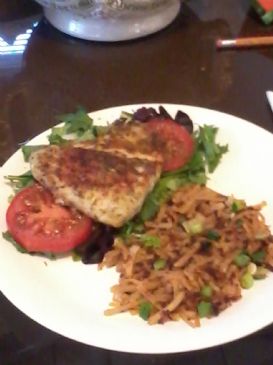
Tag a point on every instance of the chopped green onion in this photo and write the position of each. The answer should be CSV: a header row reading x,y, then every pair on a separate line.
x,y
251,268
194,226
246,280
213,235
144,310
260,273
237,205
150,241
204,309
206,291
258,257
261,235
159,264
241,260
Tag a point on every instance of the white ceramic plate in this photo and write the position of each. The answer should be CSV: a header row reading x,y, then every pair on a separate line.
x,y
69,297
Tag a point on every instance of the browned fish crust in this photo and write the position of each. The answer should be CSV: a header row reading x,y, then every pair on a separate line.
x,y
131,140
107,187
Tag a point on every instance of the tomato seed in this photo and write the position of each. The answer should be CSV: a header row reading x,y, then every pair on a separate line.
x,y
21,219
27,203
47,232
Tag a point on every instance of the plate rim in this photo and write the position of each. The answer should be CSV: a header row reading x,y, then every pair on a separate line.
x,y
132,107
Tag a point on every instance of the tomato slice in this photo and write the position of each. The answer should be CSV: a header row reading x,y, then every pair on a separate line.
x,y
176,142
38,224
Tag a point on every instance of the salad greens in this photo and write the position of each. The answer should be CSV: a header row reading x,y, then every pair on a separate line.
x,y
19,182
211,150
207,156
50,255
7,236
27,151
193,172
78,124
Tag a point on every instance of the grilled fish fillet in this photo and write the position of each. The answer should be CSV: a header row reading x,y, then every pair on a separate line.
x,y
106,187
133,140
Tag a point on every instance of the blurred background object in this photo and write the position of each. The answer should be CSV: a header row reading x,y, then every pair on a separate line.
x,y
110,20
13,9
264,9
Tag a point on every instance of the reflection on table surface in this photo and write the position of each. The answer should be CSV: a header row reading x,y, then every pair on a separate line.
x,y
44,73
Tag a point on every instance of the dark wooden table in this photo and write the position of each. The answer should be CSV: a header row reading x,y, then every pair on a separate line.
x,y
55,73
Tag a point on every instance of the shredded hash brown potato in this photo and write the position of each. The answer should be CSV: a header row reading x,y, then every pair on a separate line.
x,y
197,268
